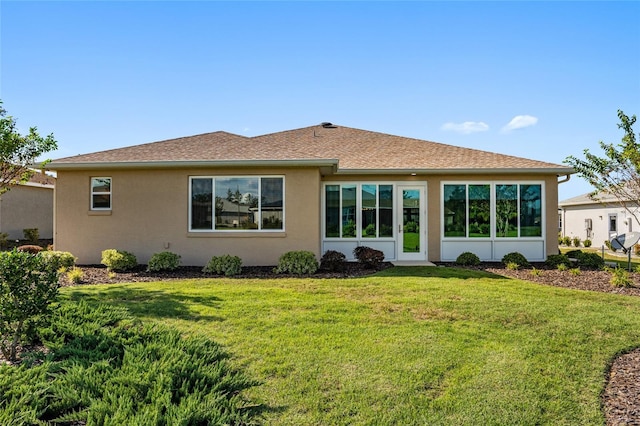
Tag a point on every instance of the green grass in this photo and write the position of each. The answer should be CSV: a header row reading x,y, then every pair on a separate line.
x,y
421,345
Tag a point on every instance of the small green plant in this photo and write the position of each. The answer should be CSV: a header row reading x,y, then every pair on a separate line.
x,y
468,259
58,259
536,272
512,266
607,244
31,234
333,261
118,260
164,261
576,241
370,230
27,290
566,240
226,265
369,257
587,243
515,257
562,267
297,262
75,275
574,271
349,229
3,240
620,277
111,275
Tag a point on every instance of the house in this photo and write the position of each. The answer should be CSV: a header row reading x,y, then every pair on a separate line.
x,y
318,188
28,205
598,221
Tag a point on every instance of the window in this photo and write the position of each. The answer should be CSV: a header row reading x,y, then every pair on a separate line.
x,y
100,193
469,210
358,211
613,223
236,203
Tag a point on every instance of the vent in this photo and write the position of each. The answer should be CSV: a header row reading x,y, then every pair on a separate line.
x,y
328,125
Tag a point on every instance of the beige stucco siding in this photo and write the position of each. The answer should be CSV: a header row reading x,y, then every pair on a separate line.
x,y
150,213
27,207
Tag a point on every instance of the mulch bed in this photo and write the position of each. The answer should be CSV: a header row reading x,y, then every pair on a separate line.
x,y
621,397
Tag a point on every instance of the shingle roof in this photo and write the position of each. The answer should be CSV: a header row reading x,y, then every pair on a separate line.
x,y
351,150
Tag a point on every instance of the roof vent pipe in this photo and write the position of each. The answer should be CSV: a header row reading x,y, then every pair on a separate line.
x,y
328,125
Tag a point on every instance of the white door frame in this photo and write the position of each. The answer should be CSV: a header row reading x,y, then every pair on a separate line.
x,y
421,254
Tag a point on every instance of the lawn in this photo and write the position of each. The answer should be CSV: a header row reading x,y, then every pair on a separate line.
x,y
414,345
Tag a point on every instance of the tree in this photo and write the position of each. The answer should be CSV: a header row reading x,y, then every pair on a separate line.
x,y
618,173
19,152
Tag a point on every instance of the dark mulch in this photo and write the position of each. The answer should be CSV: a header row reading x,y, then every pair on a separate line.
x,y
621,397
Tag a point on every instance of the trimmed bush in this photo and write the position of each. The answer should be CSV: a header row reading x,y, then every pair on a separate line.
x,y
58,259
573,254
468,259
164,261
566,240
333,261
369,257
590,260
297,262
553,260
576,241
587,243
118,260
226,265
515,258
31,234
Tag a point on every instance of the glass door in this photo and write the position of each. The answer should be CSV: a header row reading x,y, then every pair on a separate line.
x,y
411,223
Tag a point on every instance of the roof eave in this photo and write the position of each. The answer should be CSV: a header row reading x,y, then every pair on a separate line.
x,y
492,171
330,164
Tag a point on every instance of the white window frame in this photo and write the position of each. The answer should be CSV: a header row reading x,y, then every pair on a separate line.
x,y
493,183
109,193
237,231
359,236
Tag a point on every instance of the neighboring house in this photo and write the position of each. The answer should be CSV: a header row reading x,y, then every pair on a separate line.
x,y
317,188
598,221
28,205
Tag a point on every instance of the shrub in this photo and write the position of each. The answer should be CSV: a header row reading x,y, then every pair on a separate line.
x,y
566,240
164,261
369,257
562,267
536,272
226,265
58,259
573,254
620,277
30,248
370,230
590,260
468,259
553,260
411,227
576,241
513,266
333,261
31,234
515,257
118,260
27,289
349,229
574,271
587,243
297,262
607,243
75,275
3,240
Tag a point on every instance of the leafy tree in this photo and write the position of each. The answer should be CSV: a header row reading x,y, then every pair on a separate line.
x,y
618,172
19,152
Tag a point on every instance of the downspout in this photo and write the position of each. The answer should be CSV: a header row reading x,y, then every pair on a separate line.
x,y
566,179
564,212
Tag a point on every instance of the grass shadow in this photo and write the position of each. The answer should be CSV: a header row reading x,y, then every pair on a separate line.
x,y
149,303
439,272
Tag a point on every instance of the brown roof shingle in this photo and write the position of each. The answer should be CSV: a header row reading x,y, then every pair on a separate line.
x,y
353,150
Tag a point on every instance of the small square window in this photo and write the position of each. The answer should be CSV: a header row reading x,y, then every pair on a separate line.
x,y
101,193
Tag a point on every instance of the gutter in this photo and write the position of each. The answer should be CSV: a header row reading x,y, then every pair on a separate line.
x,y
492,171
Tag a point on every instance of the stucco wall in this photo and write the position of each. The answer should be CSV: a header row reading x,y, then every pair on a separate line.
x,y
573,222
27,207
150,214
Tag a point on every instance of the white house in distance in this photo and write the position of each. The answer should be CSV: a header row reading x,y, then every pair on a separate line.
x,y
597,221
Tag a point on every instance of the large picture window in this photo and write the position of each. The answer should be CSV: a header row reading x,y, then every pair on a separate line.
x,y
358,211
483,210
236,203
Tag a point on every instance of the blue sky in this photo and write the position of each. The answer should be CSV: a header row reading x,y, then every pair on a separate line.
x,y
541,80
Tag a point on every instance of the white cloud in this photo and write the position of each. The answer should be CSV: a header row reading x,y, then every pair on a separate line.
x,y
519,122
467,127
